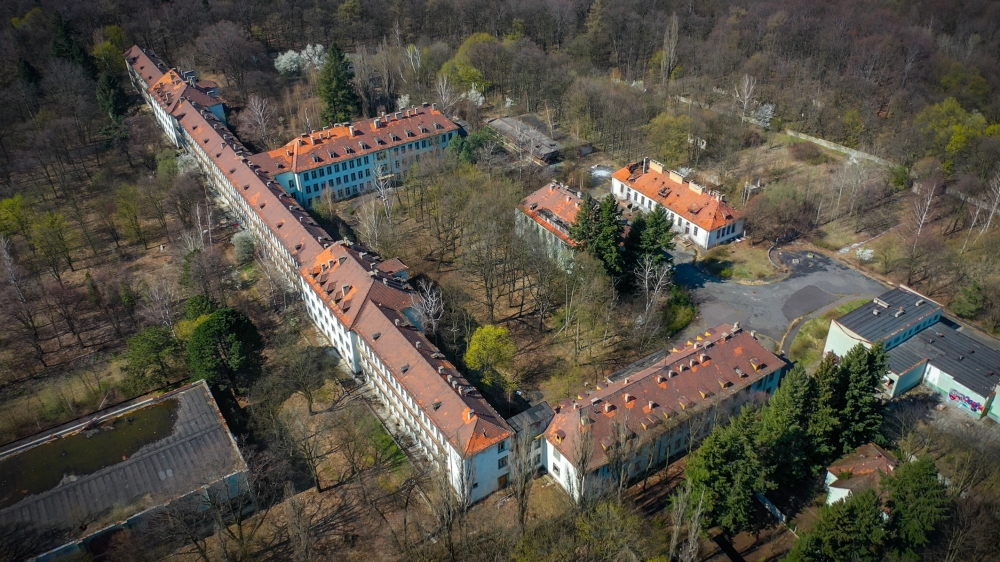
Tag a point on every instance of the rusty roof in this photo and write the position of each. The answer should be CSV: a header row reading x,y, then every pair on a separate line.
x,y
347,141
718,363
149,67
692,202
554,207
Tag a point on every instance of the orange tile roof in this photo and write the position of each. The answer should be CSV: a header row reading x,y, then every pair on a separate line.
x,y
866,459
171,88
145,63
722,363
375,298
693,203
344,142
446,397
554,207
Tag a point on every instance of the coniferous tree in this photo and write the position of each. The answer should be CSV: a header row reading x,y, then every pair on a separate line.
x,y
66,46
340,102
111,97
226,350
27,73
861,417
729,470
918,503
850,529
657,236
783,439
824,420
584,227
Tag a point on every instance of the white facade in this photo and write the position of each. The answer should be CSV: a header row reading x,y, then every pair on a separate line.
x,y
704,238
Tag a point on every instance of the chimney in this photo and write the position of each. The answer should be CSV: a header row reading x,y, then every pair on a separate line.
x,y
434,106
416,344
376,123
628,398
608,407
397,321
702,357
645,165
440,369
399,115
351,129
652,404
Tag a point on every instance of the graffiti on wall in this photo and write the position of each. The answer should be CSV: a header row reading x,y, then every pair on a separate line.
x,y
964,401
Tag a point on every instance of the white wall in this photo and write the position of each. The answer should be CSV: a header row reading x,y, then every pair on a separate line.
x,y
698,235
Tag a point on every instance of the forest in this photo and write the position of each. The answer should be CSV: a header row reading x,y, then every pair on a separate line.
x,y
118,271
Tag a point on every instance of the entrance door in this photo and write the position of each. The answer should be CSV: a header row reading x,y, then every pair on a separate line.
x,y
502,482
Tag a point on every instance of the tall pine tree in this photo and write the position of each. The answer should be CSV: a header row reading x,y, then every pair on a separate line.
x,y
861,418
335,90
584,227
111,97
918,503
783,439
824,420
728,468
658,234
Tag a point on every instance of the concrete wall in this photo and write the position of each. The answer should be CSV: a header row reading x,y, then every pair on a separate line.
x,y
840,340
840,148
956,394
905,381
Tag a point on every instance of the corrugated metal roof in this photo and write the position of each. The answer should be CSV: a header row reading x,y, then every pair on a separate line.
x,y
199,451
889,320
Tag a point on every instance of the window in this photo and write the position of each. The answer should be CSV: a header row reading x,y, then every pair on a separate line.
x,y
502,463
354,176
366,159
555,469
309,189
502,446
314,174
322,172
305,176
475,485
696,231
555,454
423,143
336,167
368,173
345,178
352,164
291,184
338,181
328,170
340,193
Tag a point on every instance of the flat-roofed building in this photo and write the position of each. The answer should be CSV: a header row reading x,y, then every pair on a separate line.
x,y
698,213
115,469
661,410
925,348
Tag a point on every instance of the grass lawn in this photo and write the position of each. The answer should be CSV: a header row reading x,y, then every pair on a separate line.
x,y
807,349
740,261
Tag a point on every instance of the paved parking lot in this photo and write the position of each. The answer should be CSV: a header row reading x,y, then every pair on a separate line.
x,y
815,282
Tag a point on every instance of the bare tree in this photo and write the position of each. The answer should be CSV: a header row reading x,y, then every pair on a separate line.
x,y
621,454
992,200
299,526
743,93
922,205
21,298
259,115
583,454
429,303
678,515
374,226
226,47
446,94
158,303
690,549
669,61
522,472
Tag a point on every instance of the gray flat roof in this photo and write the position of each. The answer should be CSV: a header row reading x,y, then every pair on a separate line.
x,y
540,413
196,449
526,136
889,321
969,362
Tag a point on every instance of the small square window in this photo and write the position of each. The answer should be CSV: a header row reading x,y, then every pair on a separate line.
x,y
502,446
502,463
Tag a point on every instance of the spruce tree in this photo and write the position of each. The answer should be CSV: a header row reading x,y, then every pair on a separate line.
x,y
918,503
783,439
111,97
66,46
851,529
335,90
226,350
824,421
862,413
606,245
27,73
728,468
584,227
658,234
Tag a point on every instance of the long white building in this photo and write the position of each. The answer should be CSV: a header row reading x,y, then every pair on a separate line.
x,y
362,304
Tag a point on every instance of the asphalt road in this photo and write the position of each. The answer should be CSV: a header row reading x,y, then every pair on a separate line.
x,y
814,283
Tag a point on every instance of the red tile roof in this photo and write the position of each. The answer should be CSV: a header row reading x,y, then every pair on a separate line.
x,y
690,201
446,397
146,64
554,207
374,300
718,364
171,88
867,460
347,141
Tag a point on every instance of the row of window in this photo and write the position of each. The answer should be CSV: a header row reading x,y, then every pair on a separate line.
x,y
333,168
